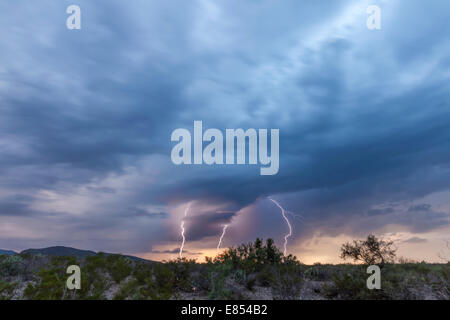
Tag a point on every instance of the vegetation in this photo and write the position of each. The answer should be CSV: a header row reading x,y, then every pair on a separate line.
x,y
370,251
255,270
11,265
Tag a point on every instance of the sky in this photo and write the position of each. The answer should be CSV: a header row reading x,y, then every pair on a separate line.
x,y
87,116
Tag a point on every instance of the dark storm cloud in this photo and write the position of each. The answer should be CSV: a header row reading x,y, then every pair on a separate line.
x,y
363,116
374,212
207,224
424,219
420,207
139,212
17,205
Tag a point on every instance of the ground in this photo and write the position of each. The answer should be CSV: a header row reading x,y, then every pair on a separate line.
x,y
118,277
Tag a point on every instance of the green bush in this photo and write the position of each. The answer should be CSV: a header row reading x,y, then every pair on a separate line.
x,y
164,282
51,281
11,265
141,272
218,287
240,276
287,283
351,285
318,272
119,267
129,289
7,289
253,257
250,282
265,277
182,270
201,277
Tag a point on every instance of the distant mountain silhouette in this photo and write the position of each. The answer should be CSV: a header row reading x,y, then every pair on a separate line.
x,y
60,251
8,252
68,251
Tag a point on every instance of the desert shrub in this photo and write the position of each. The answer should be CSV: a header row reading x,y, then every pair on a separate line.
x,y
95,271
95,289
218,277
318,272
129,289
151,290
93,282
344,286
415,281
143,290
370,251
50,283
218,288
403,283
142,293
287,282
141,272
7,289
311,273
164,283
253,257
201,278
350,284
406,289
250,281
50,286
11,265
240,276
265,277
95,262
442,284
182,270
119,267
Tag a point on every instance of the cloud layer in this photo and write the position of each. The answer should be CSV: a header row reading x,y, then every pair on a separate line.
x,y
87,116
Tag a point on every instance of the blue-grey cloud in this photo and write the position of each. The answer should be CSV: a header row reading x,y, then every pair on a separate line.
x,y
87,114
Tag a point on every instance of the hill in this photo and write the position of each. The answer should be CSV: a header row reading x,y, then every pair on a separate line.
x,y
7,252
61,251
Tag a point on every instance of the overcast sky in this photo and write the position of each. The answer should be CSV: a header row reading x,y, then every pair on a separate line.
x,y
87,115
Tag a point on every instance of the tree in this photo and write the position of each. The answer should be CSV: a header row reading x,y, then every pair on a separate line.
x,y
370,251
272,252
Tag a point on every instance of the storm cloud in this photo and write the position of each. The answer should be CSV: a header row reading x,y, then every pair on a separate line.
x,y
87,117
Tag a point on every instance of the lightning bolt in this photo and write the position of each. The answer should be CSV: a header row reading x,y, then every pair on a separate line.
x,y
297,217
182,230
283,213
221,237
